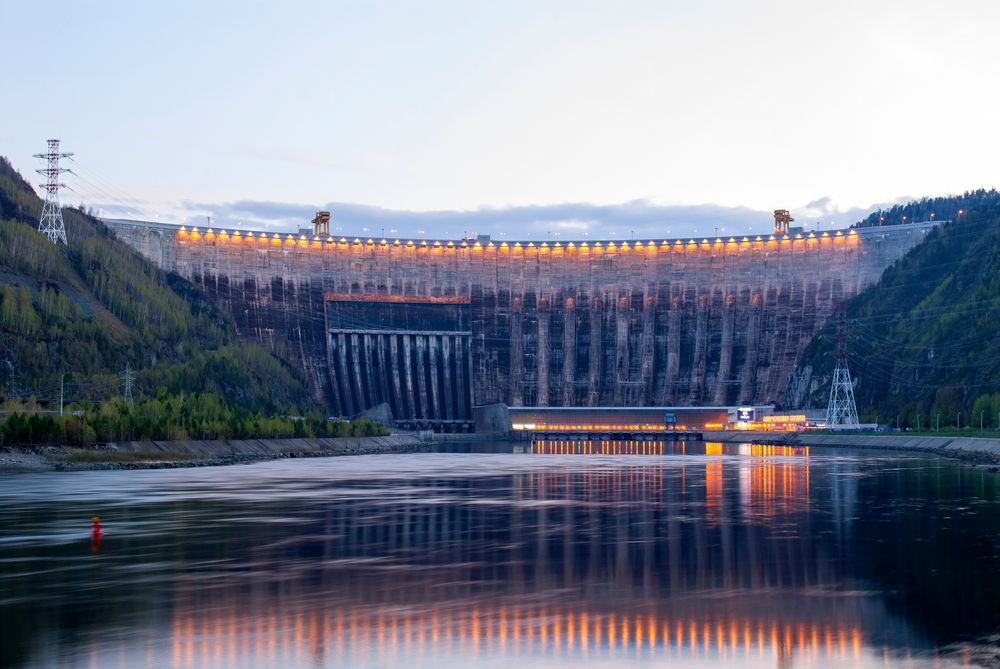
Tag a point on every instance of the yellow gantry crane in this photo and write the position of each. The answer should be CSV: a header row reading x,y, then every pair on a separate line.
x,y
322,223
781,220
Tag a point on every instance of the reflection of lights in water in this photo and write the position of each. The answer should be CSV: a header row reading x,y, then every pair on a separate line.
x,y
302,631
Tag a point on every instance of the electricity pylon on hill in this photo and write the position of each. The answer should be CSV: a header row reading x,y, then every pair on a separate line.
x,y
841,410
127,383
51,223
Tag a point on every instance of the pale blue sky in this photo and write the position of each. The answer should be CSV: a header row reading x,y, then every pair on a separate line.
x,y
507,116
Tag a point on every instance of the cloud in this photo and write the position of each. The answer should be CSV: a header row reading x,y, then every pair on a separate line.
x,y
821,205
639,219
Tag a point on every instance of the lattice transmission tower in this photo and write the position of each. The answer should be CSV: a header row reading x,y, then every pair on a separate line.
x,y
841,410
128,385
51,223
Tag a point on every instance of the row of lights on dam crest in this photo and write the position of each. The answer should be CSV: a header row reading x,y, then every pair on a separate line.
x,y
782,233
610,245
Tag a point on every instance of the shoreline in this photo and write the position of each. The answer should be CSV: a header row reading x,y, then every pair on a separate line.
x,y
208,453
979,450
976,450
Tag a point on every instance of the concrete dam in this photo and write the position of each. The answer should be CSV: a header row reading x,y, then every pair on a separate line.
x,y
436,327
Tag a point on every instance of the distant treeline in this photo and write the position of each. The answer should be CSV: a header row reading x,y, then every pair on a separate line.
x,y
167,416
947,412
930,209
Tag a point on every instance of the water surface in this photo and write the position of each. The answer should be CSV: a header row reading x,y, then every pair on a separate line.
x,y
702,555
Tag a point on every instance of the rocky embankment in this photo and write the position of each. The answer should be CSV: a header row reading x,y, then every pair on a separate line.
x,y
175,455
976,450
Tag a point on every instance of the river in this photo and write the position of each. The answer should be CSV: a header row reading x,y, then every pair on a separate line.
x,y
492,555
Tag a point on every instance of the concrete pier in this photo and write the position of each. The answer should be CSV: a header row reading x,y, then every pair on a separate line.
x,y
380,371
543,353
569,353
621,352
516,354
648,345
673,353
595,354
397,391
748,390
462,409
422,375
414,407
700,349
434,367
345,386
359,392
449,406
726,354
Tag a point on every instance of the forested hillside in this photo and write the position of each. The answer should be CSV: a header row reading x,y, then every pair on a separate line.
x,y
925,340
931,208
81,313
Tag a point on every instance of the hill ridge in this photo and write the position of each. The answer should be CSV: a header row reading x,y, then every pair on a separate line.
x,y
924,339
82,311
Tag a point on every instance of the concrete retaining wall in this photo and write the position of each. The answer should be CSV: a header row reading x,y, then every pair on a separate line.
x,y
493,418
958,445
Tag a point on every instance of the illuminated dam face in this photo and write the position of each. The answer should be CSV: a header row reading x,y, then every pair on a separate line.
x,y
437,327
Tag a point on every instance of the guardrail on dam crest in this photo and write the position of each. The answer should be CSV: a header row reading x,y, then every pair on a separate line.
x,y
437,327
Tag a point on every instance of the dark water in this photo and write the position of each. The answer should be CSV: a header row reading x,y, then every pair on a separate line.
x,y
704,555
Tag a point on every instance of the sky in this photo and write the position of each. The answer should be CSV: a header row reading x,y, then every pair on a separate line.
x,y
525,119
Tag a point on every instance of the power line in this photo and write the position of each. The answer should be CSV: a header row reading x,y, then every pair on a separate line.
x,y
108,185
102,191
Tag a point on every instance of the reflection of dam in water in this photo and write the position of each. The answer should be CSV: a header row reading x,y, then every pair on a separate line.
x,y
434,328
711,561
715,553
221,630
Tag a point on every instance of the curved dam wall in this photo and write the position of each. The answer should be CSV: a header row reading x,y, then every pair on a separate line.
x,y
437,327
